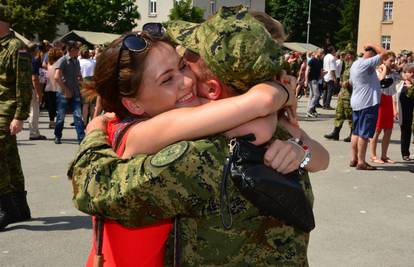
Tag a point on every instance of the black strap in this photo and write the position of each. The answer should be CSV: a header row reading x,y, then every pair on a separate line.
x,y
176,262
224,198
99,231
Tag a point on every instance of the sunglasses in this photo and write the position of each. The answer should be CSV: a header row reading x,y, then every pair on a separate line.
x,y
154,29
133,42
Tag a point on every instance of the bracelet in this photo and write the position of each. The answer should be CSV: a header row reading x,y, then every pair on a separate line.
x,y
286,90
307,157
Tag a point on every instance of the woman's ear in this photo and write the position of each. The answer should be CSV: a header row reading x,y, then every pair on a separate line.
x,y
214,89
132,105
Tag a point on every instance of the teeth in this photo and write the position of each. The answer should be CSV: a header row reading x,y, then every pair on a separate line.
x,y
185,98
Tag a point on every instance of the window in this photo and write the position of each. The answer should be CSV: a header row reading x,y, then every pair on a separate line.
x,y
386,42
212,7
153,7
387,11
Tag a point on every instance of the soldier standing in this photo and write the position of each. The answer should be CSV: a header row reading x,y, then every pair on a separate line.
x,y
343,109
15,97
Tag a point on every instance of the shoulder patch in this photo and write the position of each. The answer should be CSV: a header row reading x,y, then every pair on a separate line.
x,y
169,154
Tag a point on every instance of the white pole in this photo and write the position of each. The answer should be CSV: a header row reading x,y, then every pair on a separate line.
x,y
309,21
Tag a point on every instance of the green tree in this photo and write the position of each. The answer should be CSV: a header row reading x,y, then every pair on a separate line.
x,y
100,15
292,14
184,10
32,18
347,35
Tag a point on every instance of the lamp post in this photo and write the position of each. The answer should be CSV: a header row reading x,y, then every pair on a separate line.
x,y
309,21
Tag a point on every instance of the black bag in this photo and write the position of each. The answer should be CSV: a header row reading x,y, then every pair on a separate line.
x,y
274,194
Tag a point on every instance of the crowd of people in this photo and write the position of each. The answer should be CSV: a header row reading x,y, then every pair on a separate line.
x,y
319,75
148,174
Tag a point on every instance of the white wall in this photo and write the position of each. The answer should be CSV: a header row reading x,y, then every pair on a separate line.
x,y
206,4
163,10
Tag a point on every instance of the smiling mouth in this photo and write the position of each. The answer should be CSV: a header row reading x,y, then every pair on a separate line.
x,y
186,98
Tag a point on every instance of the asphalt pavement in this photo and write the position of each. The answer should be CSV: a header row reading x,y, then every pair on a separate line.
x,y
364,218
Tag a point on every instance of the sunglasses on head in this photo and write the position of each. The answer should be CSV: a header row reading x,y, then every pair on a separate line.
x,y
133,42
154,29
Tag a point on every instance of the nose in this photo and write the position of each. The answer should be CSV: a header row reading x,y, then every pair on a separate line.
x,y
186,82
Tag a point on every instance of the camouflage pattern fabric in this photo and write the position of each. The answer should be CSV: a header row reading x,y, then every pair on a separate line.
x,y
15,97
236,47
15,79
343,109
11,174
142,190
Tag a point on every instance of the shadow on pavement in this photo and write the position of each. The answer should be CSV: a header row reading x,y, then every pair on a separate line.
x,y
61,223
394,168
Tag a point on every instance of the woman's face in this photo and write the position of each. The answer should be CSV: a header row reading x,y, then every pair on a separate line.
x,y
167,82
389,61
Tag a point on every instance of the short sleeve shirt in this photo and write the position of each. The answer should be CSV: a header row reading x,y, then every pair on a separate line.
x,y
315,66
329,65
70,69
366,89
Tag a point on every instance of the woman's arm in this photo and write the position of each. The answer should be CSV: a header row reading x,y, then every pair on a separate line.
x,y
188,123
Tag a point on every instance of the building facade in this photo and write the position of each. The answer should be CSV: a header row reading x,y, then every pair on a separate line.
x,y
386,22
158,10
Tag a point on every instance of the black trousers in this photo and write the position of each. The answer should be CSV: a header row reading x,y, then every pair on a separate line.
x,y
50,99
407,108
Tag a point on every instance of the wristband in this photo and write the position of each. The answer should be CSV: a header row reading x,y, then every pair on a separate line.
x,y
286,90
307,157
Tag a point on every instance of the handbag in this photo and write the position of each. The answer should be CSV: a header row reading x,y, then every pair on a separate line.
x,y
274,194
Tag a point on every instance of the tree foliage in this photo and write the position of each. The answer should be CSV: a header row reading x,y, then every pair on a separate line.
x,y
293,14
113,16
184,10
35,17
347,35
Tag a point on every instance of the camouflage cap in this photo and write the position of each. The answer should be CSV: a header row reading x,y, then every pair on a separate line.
x,y
5,13
235,46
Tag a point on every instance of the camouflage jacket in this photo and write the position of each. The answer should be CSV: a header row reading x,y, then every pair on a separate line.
x,y
15,79
184,180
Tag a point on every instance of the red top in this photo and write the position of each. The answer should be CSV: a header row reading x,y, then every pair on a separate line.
x,y
130,247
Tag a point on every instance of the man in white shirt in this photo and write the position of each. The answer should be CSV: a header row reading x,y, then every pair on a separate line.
x,y
329,67
365,99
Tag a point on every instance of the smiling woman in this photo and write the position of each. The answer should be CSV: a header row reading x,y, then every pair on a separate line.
x,y
153,94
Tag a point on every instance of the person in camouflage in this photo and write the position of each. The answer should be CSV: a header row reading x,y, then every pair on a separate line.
x,y
15,97
183,180
343,109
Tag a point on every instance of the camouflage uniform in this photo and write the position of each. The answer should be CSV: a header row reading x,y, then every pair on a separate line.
x,y
235,46
184,180
343,109
15,97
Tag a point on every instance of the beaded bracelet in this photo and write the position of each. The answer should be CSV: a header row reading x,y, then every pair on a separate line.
x,y
307,157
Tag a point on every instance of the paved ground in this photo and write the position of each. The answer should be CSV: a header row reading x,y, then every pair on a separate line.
x,y
363,218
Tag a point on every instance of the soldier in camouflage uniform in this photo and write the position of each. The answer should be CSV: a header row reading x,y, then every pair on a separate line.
x,y
15,97
183,180
343,109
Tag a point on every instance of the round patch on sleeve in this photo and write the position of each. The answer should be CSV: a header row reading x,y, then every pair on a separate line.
x,y
169,154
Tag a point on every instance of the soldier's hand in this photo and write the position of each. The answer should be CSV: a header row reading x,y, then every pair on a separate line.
x,y
99,122
16,126
283,156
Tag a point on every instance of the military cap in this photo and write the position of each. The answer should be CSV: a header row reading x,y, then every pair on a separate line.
x,y
236,47
5,13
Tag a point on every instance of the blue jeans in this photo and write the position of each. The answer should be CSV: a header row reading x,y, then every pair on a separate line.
x,y
75,105
314,95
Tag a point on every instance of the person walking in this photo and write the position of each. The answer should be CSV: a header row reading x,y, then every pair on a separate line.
x,y
37,95
343,109
312,77
366,95
67,78
329,68
15,96
50,90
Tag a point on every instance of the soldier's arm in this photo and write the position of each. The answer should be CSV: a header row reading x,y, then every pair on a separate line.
x,y
22,63
181,179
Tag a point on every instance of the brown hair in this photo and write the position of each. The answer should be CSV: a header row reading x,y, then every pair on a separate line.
x,y
390,54
112,81
54,54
